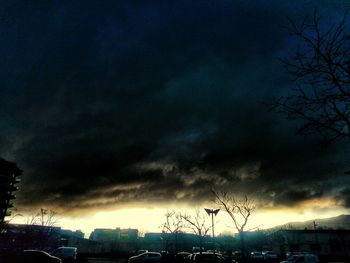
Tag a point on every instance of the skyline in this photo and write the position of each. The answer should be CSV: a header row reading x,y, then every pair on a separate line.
x,y
153,218
127,106
223,225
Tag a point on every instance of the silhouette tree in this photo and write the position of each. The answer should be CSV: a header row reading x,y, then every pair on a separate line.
x,y
239,210
172,226
41,229
43,217
198,225
321,69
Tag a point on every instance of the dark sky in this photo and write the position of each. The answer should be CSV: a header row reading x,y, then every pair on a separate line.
x,y
115,102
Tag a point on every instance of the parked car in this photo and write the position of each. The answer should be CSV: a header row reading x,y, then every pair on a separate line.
x,y
298,253
208,257
256,255
237,255
182,256
141,251
302,258
67,254
190,257
35,256
197,249
146,257
270,255
291,259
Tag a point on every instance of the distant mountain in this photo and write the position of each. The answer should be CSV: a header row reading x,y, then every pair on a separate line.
x,y
338,222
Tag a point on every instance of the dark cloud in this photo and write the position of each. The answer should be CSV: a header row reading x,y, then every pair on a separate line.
x,y
123,102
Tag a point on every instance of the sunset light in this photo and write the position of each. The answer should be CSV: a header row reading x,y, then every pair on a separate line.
x,y
131,131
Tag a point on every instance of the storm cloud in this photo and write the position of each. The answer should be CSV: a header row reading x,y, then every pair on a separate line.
x,y
121,102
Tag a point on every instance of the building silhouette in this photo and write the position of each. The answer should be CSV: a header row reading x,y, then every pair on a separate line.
x,y
115,240
9,174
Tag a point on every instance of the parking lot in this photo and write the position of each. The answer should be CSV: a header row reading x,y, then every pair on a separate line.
x,y
105,260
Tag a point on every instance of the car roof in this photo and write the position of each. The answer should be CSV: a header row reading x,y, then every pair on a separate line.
x,y
205,255
35,250
67,248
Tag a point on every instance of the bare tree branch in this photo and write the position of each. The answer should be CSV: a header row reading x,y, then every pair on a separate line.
x,y
239,210
173,222
321,68
197,223
173,225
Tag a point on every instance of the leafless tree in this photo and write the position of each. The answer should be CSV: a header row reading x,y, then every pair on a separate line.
x,y
43,217
41,228
4,224
198,225
239,210
173,225
321,68
173,222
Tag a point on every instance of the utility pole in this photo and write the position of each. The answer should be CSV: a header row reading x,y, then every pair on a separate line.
x,y
317,245
212,212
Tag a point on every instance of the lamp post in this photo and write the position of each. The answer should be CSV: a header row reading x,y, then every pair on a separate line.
x,y
212,212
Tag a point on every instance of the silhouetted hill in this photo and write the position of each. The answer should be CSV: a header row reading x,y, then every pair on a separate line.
x,y
338,222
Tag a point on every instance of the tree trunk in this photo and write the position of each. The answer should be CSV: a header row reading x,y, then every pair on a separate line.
x,y
176,243
241,237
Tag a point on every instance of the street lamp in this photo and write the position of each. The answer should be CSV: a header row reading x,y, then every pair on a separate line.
x,y
212,212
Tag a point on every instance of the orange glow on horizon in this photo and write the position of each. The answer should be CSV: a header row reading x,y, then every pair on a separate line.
x,y
150,219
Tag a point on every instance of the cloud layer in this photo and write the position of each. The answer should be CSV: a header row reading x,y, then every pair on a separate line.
x,y
121,103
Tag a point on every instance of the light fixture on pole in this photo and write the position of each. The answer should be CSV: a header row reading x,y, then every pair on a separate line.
x,y
212,212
